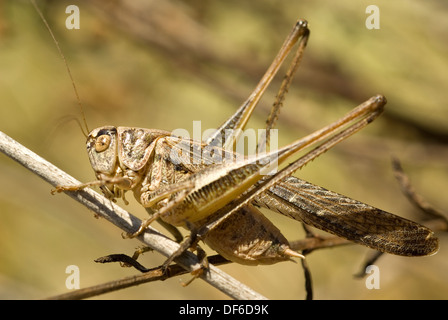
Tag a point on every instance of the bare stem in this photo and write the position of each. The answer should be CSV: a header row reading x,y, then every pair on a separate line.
x,y
122,219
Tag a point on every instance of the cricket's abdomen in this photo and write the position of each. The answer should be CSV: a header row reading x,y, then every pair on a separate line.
x,y
248,237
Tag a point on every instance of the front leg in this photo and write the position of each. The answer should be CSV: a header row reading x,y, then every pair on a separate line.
x,y
174,194
190,242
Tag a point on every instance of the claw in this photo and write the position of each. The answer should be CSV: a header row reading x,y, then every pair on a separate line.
x,y
291,253
145,224
203,267
60,189
195,274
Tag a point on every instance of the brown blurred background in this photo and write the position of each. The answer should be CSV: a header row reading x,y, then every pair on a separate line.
x,y
164,64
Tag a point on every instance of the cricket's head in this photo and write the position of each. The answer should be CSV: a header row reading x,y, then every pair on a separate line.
x,y
102,149
103,155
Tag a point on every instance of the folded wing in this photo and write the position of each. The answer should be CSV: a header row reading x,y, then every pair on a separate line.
x,y
348,218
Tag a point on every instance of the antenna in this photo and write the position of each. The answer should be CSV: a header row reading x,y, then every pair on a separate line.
x,y
68,68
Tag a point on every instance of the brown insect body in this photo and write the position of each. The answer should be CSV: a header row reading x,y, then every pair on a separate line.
x,y
146,168
135,159
193,183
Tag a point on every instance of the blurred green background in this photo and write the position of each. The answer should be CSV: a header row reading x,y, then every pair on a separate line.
x,y
164,64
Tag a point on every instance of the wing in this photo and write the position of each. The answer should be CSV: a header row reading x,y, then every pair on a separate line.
x,y
348,218
195,155
324,209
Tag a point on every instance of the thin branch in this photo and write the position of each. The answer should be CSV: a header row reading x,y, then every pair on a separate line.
x,y
371,259
308,280
308,244
122,219
149,275
188,262
316,242
415,198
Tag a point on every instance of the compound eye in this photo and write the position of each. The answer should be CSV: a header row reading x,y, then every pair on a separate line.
x,y
102,143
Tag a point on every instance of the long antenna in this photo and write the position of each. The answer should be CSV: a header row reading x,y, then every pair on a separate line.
x,y
66,65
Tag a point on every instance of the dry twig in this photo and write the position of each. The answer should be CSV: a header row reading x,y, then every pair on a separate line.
x,y
188,262
416,199
122,219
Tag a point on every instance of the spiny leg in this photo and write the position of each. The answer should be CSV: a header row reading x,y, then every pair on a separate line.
x,y
171,229
278,103
203,267
182,191
190,243
125,260
237,121
318,136
121,181
334,133
156,215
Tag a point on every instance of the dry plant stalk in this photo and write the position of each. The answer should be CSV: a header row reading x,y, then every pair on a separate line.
x,y
122,219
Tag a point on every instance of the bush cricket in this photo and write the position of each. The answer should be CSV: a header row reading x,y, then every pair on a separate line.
x,y
207,188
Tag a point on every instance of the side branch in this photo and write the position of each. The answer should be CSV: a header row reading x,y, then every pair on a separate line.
x,y
122,219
